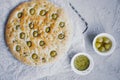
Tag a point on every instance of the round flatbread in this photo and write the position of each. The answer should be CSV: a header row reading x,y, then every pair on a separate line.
x,y
38,32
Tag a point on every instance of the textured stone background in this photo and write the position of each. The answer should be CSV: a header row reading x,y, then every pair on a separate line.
x,y
102,16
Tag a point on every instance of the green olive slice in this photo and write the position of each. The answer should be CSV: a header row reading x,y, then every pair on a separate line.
x,y
22,35
17,27
35,33
34,56
18,48
31,25
19,15
61,36
32,11
53,53
29,43
100,39
47,30
43,12
62,24
42,43
54,16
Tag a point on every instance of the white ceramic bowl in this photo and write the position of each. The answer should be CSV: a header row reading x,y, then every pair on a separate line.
x,y
112,48
88,70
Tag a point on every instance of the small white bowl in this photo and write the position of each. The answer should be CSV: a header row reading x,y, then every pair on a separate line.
x,y
112,48
88,70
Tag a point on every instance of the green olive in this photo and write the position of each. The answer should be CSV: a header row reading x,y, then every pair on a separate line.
x,y
53,53
22,35
35,33
47,30
108,46
32,11
61,36
102,49
62,24
43,12
106,40
42,43
98,44
31,25
54,16
17,27
100,39
29,43
103,44
18,48
19,14
43,60
34,56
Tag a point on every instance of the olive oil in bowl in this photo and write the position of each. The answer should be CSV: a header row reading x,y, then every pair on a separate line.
x,y
82,63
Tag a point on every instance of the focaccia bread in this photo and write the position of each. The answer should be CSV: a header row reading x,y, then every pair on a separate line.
x,y
38,32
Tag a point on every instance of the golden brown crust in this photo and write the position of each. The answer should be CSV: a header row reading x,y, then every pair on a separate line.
x,y
52,42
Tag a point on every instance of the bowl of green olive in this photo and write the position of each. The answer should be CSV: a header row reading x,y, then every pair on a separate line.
x,y
104,44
